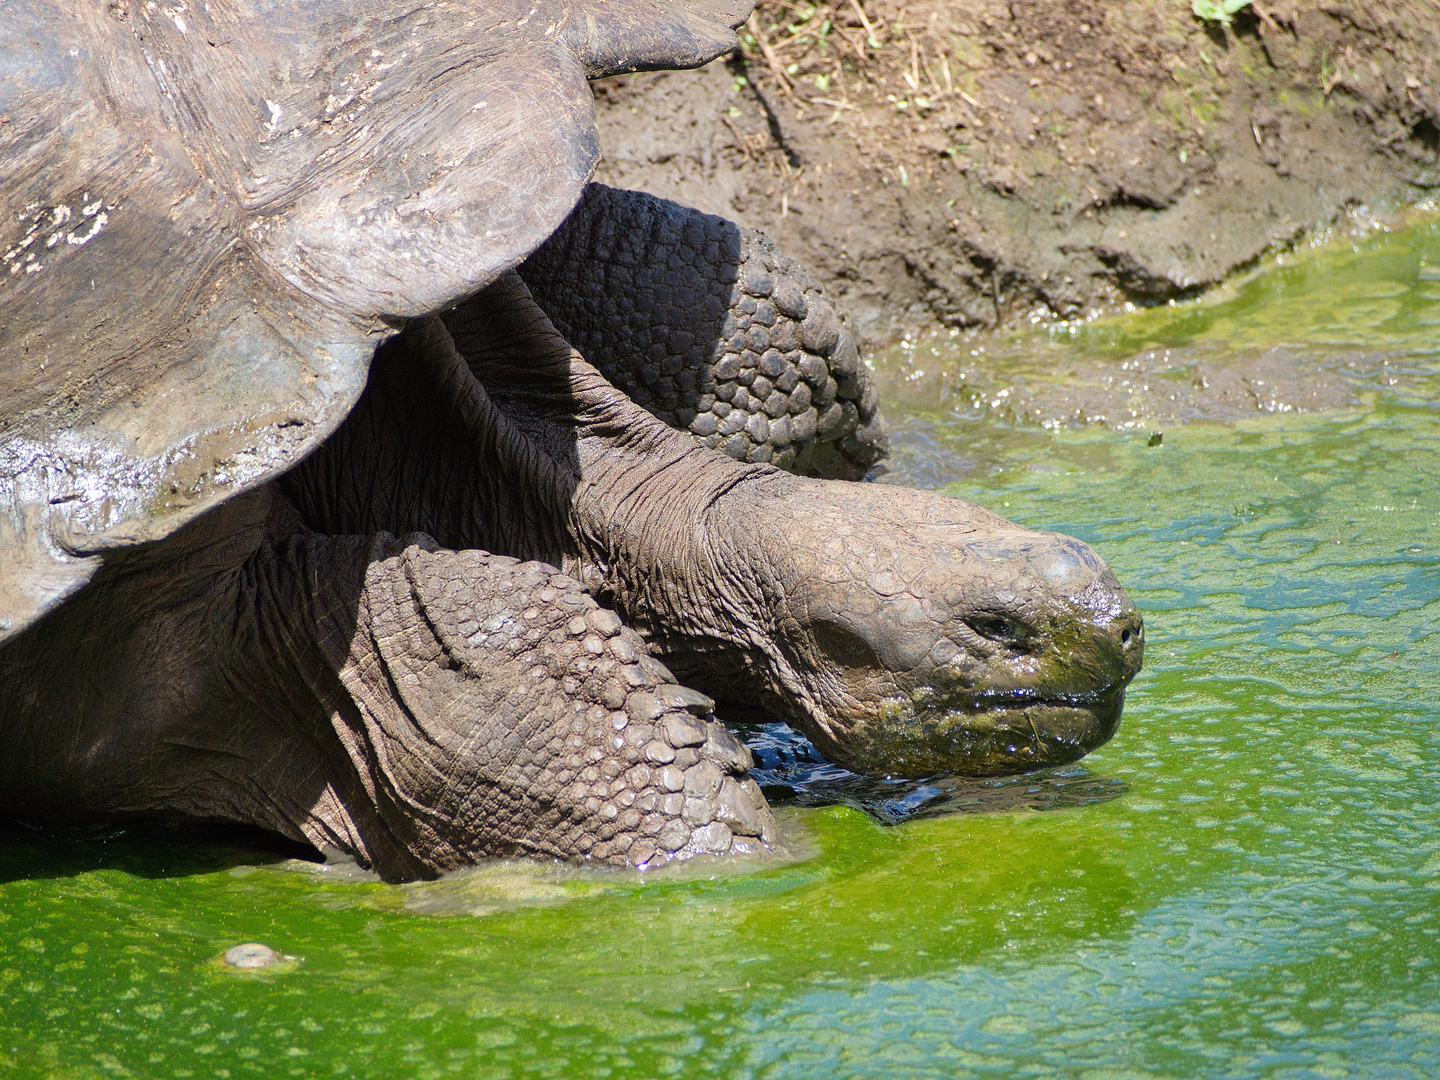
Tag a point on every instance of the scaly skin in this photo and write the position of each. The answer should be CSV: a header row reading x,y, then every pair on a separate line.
x,y
712,330
920,634
499,710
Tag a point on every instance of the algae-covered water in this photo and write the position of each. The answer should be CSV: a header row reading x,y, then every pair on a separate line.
x,y
1244,883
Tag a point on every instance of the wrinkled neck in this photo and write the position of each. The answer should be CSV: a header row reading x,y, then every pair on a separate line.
x,y
661,529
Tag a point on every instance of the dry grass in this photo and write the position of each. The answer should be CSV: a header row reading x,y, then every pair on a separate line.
x,y
844,47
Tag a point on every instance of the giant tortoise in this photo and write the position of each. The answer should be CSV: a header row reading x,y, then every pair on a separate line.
x,y
367,477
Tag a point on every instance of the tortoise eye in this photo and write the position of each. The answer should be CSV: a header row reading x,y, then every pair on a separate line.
x,y
1000,628
844,646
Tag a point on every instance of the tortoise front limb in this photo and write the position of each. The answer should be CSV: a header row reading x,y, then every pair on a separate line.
x,y
490,707
712,330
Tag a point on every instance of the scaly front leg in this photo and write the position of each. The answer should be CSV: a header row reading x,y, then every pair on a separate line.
x,y
708,327
491,707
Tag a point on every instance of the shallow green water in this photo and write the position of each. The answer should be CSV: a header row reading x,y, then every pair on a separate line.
x,y
1251,887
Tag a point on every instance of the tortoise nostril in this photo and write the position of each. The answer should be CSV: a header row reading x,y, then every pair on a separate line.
x,y
1132,636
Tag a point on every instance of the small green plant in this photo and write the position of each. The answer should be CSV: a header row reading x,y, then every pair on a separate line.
x,y
1217,10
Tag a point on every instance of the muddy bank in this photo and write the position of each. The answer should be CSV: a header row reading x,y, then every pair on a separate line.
x,y
981,164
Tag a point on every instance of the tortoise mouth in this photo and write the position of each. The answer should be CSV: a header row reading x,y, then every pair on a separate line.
x,y
979,735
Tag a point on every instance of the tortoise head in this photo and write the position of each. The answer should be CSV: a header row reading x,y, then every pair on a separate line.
x,y
921,634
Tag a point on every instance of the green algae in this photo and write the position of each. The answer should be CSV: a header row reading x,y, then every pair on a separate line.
x,y
1261,898
1357,285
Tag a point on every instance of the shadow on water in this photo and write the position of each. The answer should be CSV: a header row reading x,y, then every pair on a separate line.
x,y
147,849
791,771
788,768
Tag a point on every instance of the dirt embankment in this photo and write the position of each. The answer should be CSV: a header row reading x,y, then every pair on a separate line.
x,y
973,164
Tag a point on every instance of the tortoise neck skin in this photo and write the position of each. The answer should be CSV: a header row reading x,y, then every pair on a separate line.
x,y
905,632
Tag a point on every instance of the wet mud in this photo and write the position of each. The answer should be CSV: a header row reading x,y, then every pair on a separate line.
x,y
984,164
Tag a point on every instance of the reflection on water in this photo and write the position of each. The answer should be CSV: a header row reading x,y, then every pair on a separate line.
x,y
790,770
1244,883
